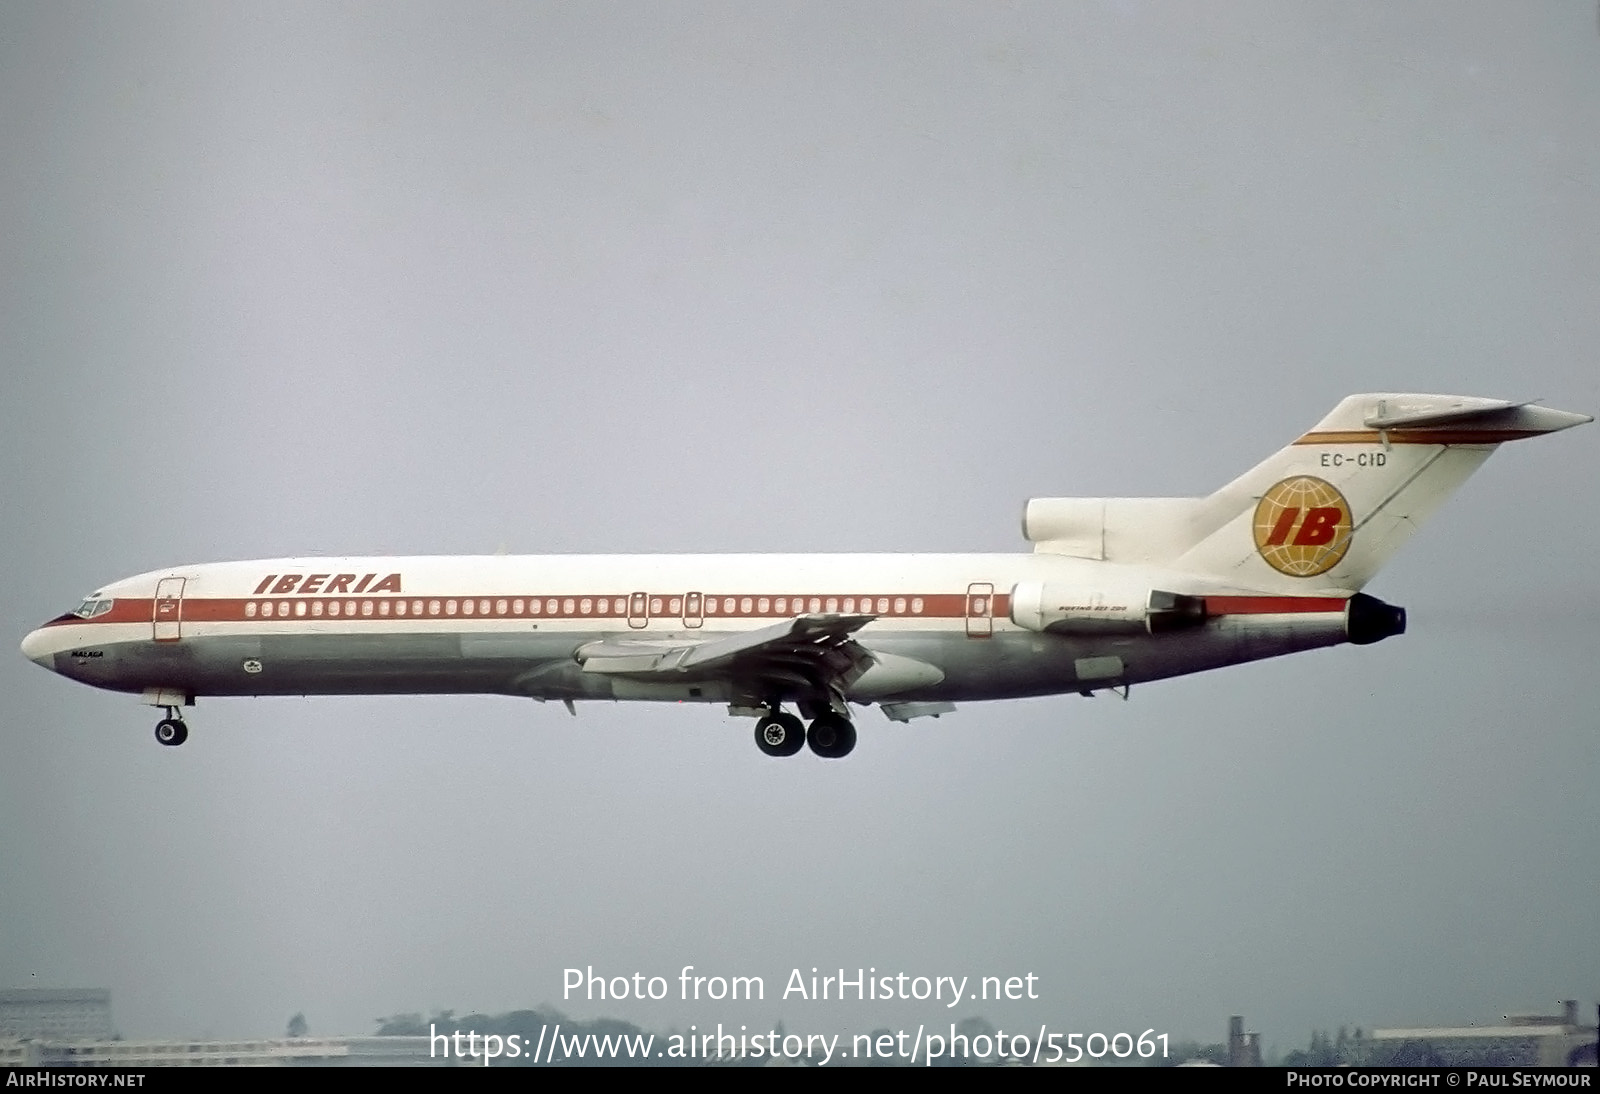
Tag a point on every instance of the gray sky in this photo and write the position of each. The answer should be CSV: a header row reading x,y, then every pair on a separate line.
x,y
451,278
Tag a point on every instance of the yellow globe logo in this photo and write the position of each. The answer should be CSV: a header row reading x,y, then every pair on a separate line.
x,y
1303,526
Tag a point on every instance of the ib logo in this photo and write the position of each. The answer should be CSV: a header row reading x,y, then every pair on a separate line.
x,y
1303,526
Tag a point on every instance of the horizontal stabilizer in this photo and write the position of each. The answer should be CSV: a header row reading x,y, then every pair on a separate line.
x,y
1400,411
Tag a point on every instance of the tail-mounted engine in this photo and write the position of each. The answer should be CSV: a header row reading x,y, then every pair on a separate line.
x,y
1368,619
1065,609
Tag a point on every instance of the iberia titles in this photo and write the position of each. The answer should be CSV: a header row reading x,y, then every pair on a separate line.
x,y
328,584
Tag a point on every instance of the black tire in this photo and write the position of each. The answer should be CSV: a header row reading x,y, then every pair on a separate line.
x,y
172,731
780,735
832,736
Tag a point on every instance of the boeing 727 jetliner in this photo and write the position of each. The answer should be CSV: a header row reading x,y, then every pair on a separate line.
x,y
1116,592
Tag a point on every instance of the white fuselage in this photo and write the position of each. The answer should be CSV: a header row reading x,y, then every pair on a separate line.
x,y
941,627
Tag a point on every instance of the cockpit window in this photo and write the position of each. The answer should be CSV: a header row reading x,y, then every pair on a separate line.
x,y
93,606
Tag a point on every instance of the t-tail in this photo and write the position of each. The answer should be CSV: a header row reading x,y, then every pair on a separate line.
x,y
1318,518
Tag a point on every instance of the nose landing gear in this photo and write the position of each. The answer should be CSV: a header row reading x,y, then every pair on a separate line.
x,y
171,729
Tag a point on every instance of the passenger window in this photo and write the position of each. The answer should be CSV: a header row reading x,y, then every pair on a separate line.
x,y
499,607
300,607
250,610
466,607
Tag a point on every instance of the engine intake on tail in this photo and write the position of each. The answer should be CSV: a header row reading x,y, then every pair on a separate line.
x,y
1062,609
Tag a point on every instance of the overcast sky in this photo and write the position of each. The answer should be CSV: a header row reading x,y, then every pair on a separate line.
x,y
449,278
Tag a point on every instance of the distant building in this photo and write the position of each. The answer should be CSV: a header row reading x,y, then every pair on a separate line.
x,y
55,1027
56,1014
1519,1040
278,1052
1244,1049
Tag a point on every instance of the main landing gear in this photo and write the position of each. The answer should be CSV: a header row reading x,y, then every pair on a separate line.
x,y
171,730
780,734
831,736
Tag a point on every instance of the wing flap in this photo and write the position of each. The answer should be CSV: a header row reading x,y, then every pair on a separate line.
x,y
790,647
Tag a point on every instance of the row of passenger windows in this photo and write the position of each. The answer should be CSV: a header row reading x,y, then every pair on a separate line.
x,y
618,606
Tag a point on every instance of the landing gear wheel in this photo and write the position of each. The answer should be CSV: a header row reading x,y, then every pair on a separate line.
x,y
780,735
172,731
831,736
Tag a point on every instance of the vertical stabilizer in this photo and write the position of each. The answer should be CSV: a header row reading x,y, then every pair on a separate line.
x,y
1325,513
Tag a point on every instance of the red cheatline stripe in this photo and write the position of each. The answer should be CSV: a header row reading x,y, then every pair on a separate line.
x,y
1272,605
122,611
1419,436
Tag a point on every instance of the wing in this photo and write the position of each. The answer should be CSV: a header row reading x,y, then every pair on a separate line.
x,y
808,658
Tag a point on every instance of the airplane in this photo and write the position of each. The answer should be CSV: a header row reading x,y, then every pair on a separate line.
x,y
1115,592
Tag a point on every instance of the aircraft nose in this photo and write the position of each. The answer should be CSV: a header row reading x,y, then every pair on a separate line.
x,y
37,647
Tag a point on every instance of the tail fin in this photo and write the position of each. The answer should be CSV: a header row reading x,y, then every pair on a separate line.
x,y
1325,513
